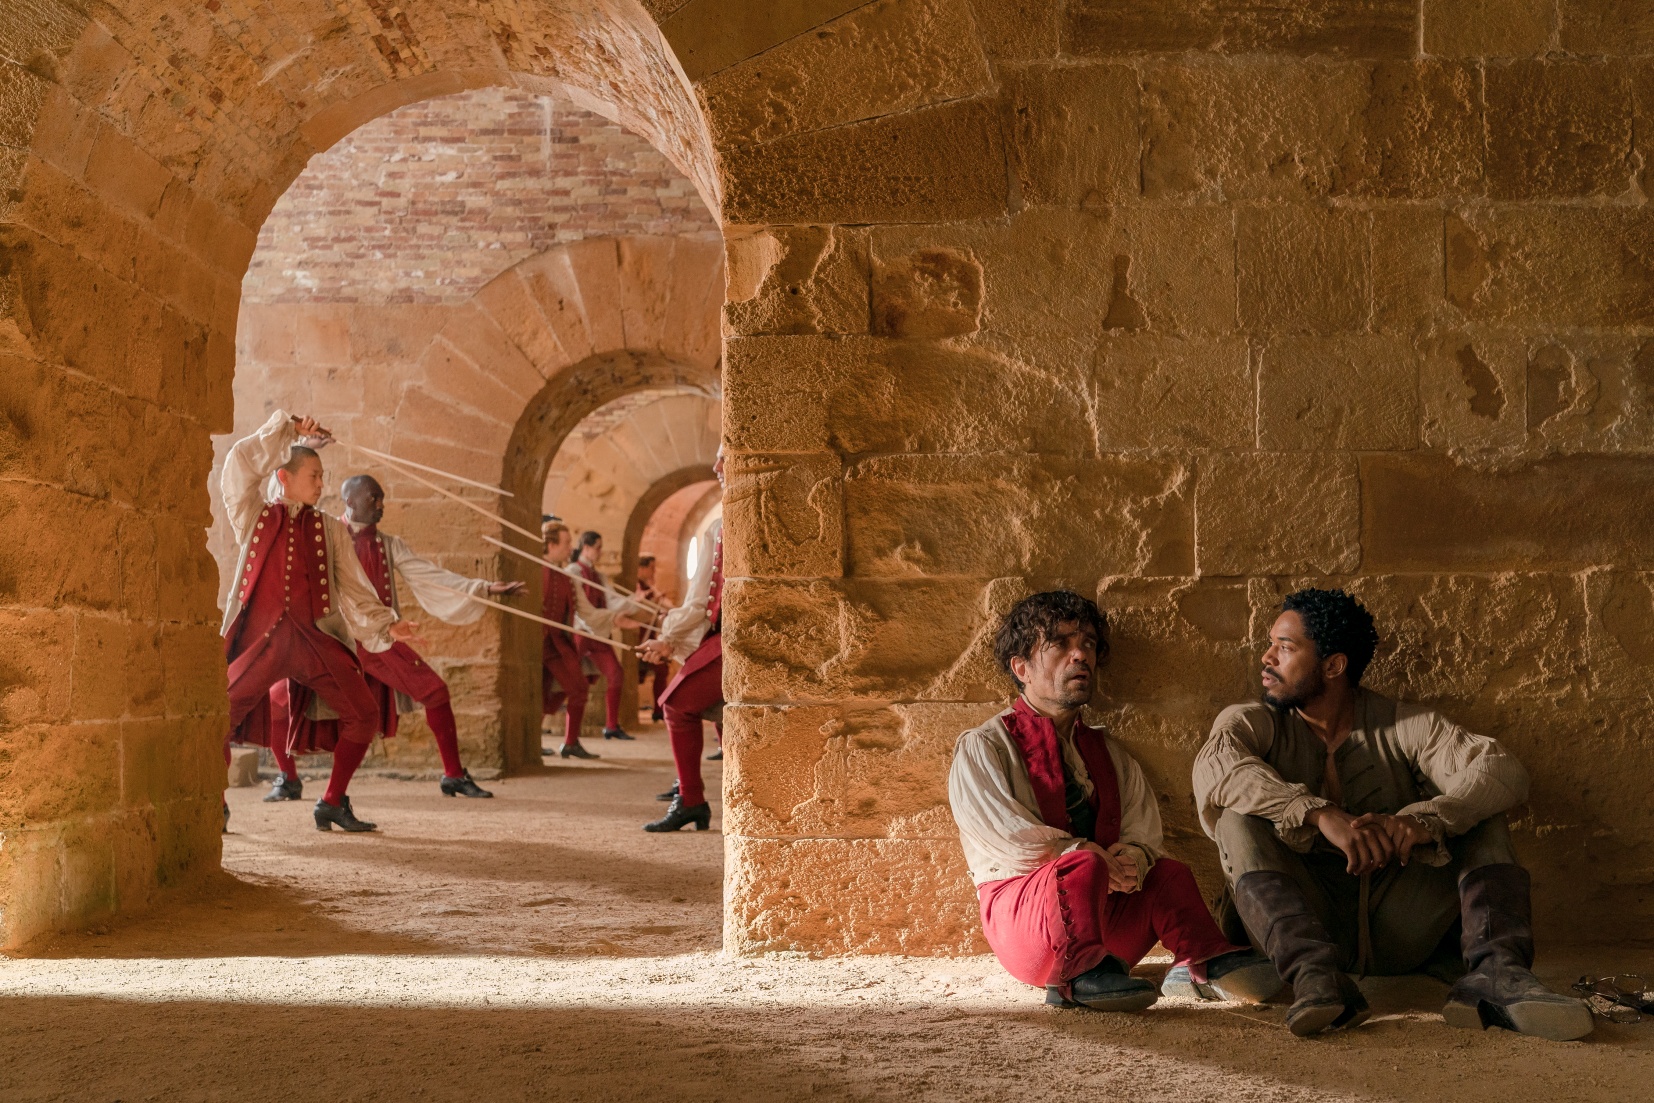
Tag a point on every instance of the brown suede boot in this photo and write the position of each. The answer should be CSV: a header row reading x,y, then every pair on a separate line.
x,y
1500,990
1324,997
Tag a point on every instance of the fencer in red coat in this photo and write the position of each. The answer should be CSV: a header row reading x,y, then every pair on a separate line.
x,y
300,603
563,679
600,655
399,677
693,633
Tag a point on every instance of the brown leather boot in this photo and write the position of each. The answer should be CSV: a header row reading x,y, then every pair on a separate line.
x,y
1324,997
1500,989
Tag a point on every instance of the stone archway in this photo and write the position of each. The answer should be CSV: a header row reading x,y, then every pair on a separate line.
x,y
488,388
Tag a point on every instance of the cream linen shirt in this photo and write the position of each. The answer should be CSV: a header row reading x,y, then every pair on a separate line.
x,y
994,806
687,625
425,581
1412,762
360,615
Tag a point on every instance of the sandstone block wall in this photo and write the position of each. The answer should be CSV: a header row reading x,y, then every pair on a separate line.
x,y
1180,305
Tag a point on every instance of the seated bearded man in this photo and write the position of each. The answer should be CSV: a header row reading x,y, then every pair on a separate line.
x,y
1062,836
1358,832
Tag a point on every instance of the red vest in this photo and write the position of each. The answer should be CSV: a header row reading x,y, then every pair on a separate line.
x,y
715,592
558,605
370,549
594,594
286,571
1036,737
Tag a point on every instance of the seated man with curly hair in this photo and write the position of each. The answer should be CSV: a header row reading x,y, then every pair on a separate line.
x,y
1062,836
1358,832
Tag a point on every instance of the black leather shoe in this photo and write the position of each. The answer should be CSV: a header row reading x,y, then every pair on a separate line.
x,y
656,715
284,788
327,816
463,786
575,750
226,829
1109,986
677,817
670,794
716,756
615,733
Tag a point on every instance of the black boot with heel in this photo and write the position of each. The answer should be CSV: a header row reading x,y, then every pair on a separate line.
x,y
678,817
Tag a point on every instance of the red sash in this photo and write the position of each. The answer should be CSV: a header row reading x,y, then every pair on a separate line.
x,y
1036,737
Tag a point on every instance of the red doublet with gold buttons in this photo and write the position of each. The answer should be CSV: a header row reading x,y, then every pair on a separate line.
x,y
284,589
398,669
286,573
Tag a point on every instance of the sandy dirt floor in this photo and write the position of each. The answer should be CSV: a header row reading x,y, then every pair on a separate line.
x,y
541,947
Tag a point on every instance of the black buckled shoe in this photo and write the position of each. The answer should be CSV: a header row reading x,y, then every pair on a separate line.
x,y
327,816
575,750
678,817
670,794
615,733
1108,986
285,788
463,786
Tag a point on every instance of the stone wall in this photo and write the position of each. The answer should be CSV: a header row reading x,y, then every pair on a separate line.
x,y
1181,305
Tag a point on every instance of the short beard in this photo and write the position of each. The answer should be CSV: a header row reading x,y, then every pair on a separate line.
x,y
1298,696
1074,700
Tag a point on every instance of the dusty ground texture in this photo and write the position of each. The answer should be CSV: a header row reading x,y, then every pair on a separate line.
x,y
540,946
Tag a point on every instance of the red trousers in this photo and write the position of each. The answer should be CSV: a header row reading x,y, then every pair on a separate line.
x,y
660,672
1049,926
314,659
562,682
309,656
603,657
404,671
698,687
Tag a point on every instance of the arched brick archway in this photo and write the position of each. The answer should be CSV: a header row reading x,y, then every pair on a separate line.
x,y
489,388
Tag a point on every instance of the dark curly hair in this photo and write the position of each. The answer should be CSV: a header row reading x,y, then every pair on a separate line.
x,y
1034,620
1338,625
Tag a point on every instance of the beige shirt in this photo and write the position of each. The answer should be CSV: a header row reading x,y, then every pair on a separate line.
x,y
1400,758
252,461
997,813
687,625
426,581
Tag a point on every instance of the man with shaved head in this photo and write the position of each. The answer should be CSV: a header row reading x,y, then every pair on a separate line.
x,y
398,676
301,608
